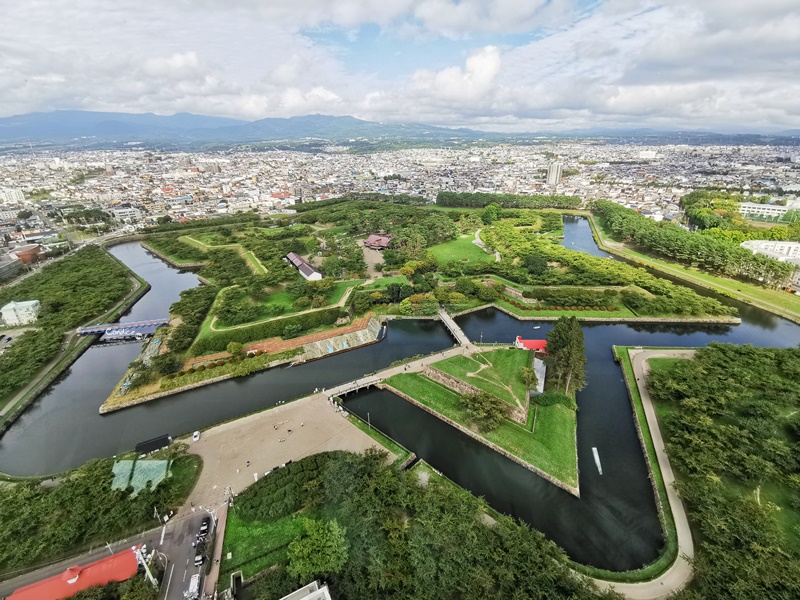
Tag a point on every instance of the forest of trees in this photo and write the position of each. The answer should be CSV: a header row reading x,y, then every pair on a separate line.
x,y
731,419
401,540
71,292
566,355
713,253
480,199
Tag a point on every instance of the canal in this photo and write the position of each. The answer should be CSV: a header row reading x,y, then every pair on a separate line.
x,y
614,525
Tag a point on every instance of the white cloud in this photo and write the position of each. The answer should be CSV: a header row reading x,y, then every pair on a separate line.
x,y
679,63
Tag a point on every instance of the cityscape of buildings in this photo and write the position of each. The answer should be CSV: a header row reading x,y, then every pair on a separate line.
x,y
134,188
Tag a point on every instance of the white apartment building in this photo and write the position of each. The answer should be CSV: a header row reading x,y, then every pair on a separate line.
x,y
779,250
11,196
20,313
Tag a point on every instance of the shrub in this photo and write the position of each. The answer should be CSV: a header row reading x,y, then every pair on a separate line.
x,y
171,376
231,359
259,352
602,308
595,308
580,308
219,363
180,374
551,308
190,370
587,308
551,397
558,308
201,368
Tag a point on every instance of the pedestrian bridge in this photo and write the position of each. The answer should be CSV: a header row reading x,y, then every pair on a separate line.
x,y
453,328
122,328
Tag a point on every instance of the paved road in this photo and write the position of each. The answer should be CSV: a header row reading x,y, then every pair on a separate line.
x,y
177,546
680,572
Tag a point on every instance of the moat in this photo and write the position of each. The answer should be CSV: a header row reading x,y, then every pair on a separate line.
x,y
614,525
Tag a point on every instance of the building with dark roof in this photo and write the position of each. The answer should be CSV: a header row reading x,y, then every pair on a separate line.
x,y
306,270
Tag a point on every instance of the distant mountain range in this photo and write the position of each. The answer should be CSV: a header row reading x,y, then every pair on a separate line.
x,y
84,129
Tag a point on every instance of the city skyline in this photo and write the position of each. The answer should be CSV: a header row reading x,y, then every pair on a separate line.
x,y
503,66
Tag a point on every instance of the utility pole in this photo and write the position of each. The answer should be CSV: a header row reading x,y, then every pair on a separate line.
x,y
143,562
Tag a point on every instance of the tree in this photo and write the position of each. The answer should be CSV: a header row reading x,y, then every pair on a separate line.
x,y
566,354
485,410
529,378
535,263
24,214
491,213
322,550
166,363
234,348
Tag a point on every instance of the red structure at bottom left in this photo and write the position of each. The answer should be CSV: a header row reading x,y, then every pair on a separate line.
x,y
117,567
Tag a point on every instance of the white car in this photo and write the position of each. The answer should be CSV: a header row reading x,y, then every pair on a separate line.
x,y
196,436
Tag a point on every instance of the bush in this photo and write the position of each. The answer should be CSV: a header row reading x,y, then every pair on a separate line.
x,y
259,352
200,369
552,397
180,374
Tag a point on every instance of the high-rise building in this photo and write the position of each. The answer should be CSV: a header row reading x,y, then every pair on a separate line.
x,y
554,173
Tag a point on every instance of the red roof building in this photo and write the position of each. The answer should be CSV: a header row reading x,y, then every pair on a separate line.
x,y
117,567
535,345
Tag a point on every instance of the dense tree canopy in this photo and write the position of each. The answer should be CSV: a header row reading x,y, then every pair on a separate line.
x,y
566,355
406,541
714,253
728,422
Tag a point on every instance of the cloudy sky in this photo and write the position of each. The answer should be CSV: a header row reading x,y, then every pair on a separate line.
x,y
503,65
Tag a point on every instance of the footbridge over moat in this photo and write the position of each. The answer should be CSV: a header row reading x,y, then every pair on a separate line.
x,y
453,327
134,326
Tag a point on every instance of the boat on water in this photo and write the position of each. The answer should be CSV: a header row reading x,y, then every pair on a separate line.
x,y
537,326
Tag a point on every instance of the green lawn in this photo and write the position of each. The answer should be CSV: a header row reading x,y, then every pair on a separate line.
x,y
384,282
460,250
256,545
496,372
623,313
252,262
551,448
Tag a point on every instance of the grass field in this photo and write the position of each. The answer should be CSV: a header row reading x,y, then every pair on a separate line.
x,y
551,448
460,250
384,282
256,545
252,262
496,372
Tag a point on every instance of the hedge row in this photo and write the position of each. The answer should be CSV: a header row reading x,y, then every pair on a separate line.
x,y
217,341
522,306
284,491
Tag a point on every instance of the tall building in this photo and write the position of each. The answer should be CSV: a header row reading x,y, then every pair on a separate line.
x,y
554,173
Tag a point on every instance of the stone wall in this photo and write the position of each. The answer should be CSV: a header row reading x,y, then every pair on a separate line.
x,y
546,476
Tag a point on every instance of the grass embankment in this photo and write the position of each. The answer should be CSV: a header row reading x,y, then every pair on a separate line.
x,y
496,372
399,451
551,448
775,301
384,282
257,545
670,550
252,262
462,250
247,366
284,300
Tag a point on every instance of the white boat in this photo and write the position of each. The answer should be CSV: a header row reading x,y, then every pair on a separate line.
x,y
537,326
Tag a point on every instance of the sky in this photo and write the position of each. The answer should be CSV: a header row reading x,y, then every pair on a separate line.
x,y
496,65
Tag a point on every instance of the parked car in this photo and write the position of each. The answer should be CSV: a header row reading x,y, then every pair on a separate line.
x,y
196,436
206,523
198,560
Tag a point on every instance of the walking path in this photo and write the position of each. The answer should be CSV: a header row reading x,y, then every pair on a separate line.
x,y
409,367
680,572
212,578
